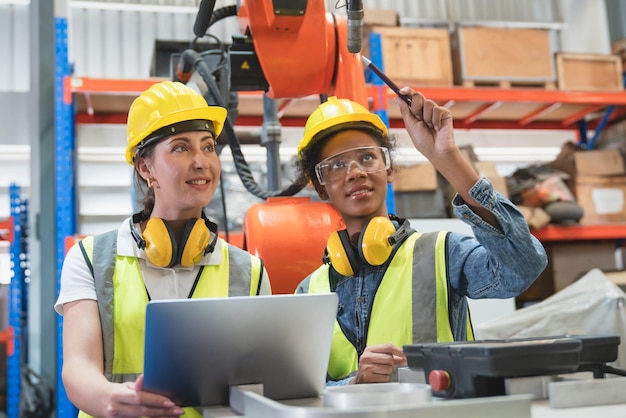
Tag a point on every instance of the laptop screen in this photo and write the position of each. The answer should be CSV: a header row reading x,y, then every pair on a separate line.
x,y
196,349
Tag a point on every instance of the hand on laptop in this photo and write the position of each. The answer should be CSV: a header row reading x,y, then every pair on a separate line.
x,y
129,400
377,363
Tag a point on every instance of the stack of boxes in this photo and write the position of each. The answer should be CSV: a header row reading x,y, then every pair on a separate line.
x,y
600,186
598,182
475,55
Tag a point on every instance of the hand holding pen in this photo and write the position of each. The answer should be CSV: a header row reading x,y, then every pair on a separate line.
x,y
386,79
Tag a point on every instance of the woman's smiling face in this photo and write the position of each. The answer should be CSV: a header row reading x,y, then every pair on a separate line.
x,y
359,195
185,169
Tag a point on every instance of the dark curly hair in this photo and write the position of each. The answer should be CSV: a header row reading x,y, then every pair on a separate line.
x,y
310,155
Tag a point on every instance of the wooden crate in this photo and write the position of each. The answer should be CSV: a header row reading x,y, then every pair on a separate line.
x,y
380,17
502,56
416,56
373,18
597,72
619,48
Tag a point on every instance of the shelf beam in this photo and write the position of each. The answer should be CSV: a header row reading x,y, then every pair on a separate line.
x,y
483,101
580,232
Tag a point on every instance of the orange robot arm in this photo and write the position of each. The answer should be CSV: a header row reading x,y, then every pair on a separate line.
x,y
289,234
303,51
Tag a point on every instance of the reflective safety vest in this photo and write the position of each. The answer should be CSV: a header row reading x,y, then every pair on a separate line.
x,y
410,306
122,299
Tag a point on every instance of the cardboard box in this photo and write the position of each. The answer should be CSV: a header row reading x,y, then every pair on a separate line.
x,y
603,199
541,288
599,163
417,192
416,56
617,277
488,169
418,177
576,162
520,55
595,72
485,169
570,261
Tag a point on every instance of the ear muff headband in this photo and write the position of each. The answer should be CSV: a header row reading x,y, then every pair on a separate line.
x,y
378,239
160,245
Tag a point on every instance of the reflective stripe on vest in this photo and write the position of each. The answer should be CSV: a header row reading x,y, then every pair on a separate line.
x,y
122,295
414,287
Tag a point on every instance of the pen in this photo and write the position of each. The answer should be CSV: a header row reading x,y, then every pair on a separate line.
x,y
386,79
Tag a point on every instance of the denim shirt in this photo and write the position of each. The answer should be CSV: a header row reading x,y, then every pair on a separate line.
x,y
494,263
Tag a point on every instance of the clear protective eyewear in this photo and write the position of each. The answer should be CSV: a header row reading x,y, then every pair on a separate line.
x,y
367,159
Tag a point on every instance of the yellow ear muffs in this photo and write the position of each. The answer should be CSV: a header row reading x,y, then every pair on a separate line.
x,y
160,243
341,254
194,242
374,240
376,243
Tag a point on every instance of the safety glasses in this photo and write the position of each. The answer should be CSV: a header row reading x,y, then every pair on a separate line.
x,y
367,159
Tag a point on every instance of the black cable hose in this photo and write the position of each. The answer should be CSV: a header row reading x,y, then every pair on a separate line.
x,y
218,15
223,13
614,370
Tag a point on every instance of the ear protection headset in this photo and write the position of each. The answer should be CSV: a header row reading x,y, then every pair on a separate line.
x,y
376,243
158,240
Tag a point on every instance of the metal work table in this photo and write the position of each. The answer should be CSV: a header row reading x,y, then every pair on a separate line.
x,y
511,406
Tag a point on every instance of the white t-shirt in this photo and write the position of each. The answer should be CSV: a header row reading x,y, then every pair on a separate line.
x,y
78,283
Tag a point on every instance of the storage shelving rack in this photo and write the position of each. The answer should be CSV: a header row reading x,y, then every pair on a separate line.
x,y
97,100
65,189
473,108
18,297
542,109
7,336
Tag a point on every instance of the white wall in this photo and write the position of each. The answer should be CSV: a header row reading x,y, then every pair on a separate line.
x,y
579,34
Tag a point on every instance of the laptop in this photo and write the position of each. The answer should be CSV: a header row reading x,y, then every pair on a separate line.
x,y
196,349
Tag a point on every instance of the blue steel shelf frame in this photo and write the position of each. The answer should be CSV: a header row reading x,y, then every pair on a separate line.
x,y
65,170
376,52
18,296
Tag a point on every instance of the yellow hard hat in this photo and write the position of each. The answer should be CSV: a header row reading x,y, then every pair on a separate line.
x,y
165,104
336,112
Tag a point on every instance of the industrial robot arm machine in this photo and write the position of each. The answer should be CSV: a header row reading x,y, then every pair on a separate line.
x,y
287,49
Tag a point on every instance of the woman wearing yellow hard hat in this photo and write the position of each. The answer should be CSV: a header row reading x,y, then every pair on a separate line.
x,y
397,286
168,250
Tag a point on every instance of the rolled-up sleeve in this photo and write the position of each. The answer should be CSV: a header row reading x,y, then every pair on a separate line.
x,y
495,262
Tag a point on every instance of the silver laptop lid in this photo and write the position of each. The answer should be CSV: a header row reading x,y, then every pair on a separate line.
x,y
195,349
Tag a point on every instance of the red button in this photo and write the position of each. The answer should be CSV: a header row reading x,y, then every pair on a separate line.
x,y
439,380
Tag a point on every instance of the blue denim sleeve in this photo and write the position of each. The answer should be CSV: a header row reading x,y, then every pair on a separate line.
x,y
342,382
495,262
